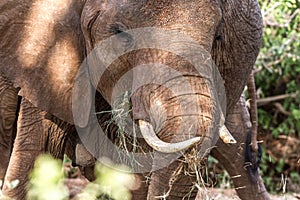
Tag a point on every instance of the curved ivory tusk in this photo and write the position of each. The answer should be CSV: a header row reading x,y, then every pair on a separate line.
x,y
161,146
226,136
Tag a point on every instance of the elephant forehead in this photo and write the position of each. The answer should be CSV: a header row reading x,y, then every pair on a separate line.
x,y
197,19
185,13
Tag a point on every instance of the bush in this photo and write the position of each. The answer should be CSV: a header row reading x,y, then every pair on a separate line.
x,y
278,70
278,76
47,181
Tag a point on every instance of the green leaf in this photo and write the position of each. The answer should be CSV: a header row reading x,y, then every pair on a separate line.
x,y
46,180
280,165
296,114
298,126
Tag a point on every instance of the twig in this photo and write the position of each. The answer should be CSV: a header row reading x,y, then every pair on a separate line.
x,y
257,70
270,22
275,62
267,12
253,111
281,109
290,40
264,101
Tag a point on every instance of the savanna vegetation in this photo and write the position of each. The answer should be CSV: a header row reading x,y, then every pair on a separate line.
x,y
278,83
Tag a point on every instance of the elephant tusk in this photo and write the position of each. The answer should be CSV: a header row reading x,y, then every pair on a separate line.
x,y
226,136
161,146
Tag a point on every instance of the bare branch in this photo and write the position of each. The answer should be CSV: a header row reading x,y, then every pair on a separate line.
x,y
258,69
253,111
281,109
264,101
269,21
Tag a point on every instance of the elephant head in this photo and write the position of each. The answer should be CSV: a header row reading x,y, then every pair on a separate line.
x,y
175,103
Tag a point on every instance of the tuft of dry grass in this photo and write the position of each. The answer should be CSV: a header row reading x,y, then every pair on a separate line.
x,y
124,133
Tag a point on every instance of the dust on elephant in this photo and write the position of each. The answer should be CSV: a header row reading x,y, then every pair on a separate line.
x,y
43,44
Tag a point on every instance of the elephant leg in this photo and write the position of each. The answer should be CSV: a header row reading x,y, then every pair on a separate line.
x,y
8,112
171,182
141,187
37,132
232,157
29,143
57,134
80,157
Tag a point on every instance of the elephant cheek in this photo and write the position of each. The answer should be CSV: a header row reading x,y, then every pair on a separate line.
x,y
140,104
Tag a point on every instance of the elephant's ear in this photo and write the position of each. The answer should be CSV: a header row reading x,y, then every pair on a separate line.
x,y
42,48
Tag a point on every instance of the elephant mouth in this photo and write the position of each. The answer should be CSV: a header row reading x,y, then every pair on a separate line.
x,y
157,144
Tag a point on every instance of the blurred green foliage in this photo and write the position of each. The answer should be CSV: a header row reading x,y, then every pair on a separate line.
x,y
278,66
278,73
112,182
47,182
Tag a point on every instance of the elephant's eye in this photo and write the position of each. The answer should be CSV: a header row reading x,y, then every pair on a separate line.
x,y
116,29
119,31
219,37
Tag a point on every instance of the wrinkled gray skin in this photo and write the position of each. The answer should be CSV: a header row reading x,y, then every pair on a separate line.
x,y
43,43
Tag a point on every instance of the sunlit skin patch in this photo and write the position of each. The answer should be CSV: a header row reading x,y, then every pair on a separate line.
x,y
39,33
62,51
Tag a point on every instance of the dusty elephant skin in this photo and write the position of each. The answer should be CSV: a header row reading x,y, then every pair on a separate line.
x,y
9,106
44,42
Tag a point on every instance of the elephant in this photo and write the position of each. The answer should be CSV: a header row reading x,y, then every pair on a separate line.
x,y
49,49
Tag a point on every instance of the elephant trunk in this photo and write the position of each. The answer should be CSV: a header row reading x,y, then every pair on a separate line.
x,y
176,111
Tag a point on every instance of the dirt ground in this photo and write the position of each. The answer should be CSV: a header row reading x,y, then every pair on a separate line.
x,y
230,194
